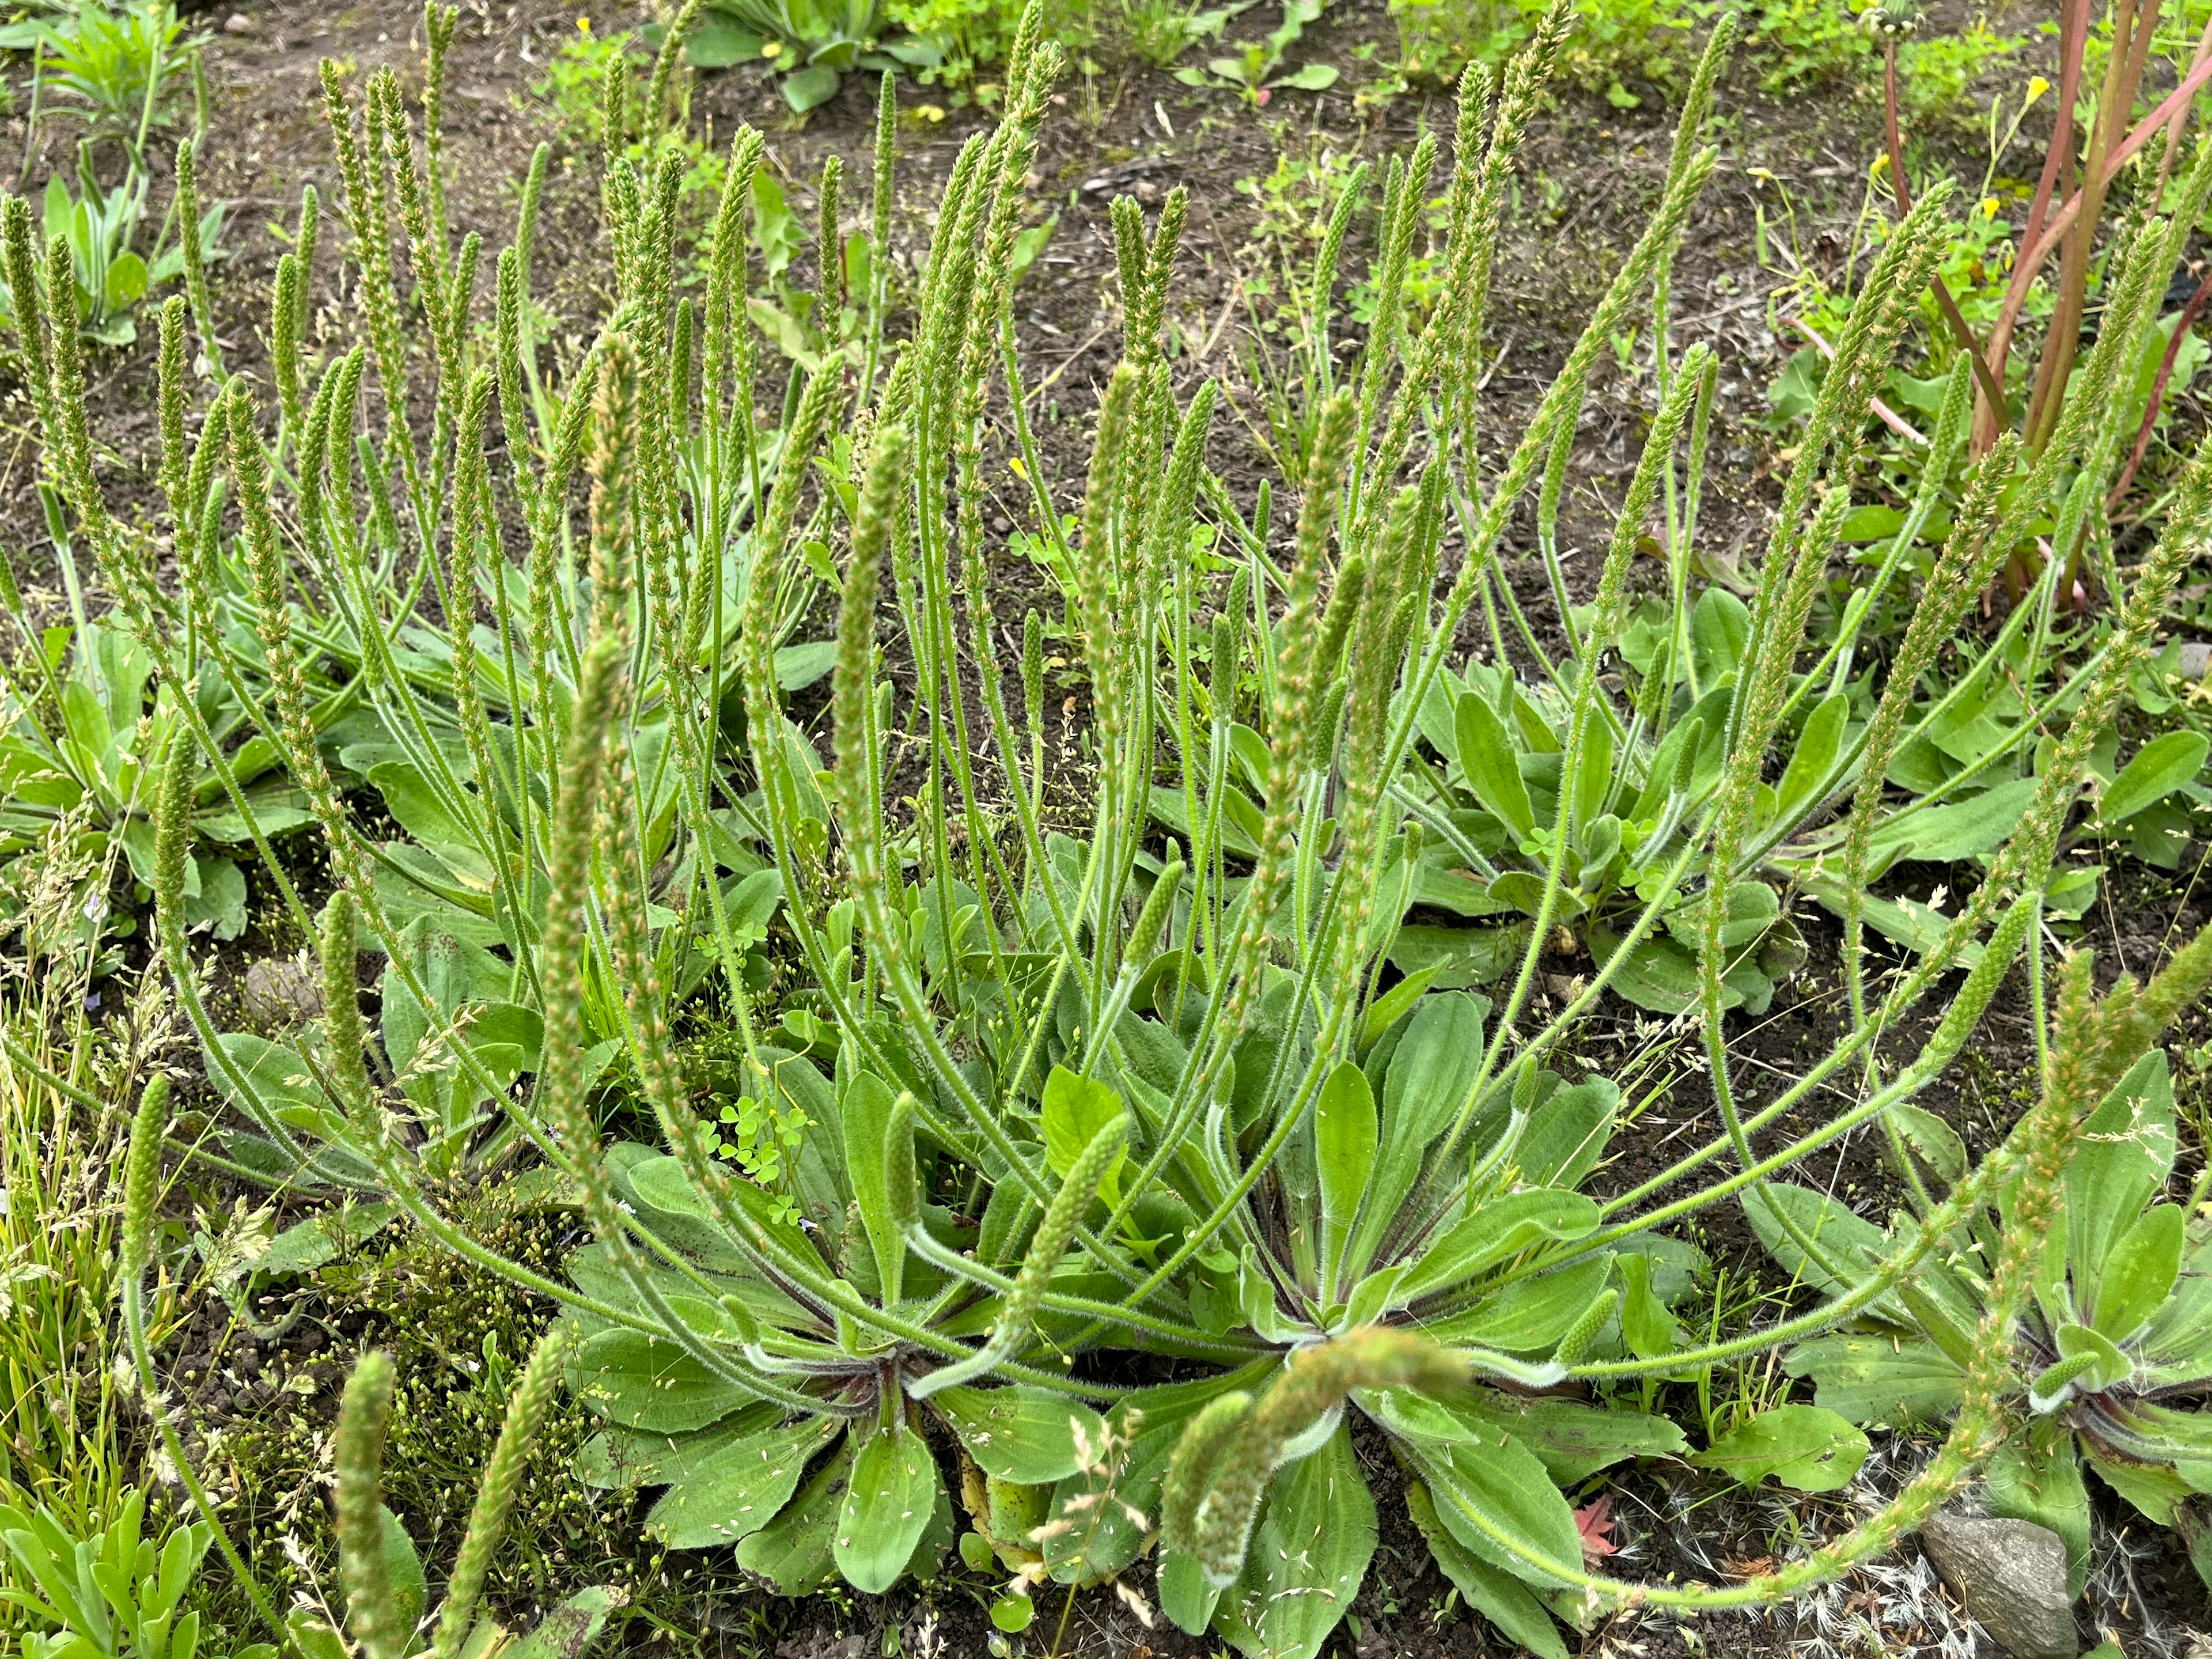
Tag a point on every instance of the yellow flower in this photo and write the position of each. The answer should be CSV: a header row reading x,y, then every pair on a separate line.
x,y
1989,207
2037,86
771,48
929,113
584,26
1881,165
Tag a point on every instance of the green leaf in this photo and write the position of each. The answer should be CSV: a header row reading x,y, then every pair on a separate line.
x,y
1572,1440
886,1510
2139,1272
737,1489
1964,828
1500,1227
2120,1161
1645,1325
323,1237
805,89
717,41
411,1591
1075,1110
1186,1596
1499,1597
1879,1379
2159,767
1023,1434
1567,1135
1307,1555
1314,77
1387,1009
1493,1496
1530,1315
1720,630
639,1383
1486,757
797,666
796,1552
1847,1246
1818,745
866,1109
1344,1153
1808,1448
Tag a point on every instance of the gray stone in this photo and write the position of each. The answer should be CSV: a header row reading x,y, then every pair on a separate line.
x,y
2012,1577
277,994
2195,659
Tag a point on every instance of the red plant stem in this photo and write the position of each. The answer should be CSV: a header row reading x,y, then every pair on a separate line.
x,y
1944,303
2175,102
1992,417
2158,389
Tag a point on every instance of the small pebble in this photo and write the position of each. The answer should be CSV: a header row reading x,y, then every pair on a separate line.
x,y
237,23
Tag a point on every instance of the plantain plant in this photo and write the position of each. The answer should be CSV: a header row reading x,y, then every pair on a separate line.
x,y
2113,1344
1048,1085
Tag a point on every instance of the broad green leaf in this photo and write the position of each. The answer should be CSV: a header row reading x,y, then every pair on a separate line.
x,y
1499,1228
718,41
1023,1433
216,899
1818,745
323,1237
1186,1596
638,1382
2139,1272
1493,1496
887,1509
734,1491
1567,1135
1314,77
1075,1110
1423,1089
1960,830
2159,767
1808,1447
618,1459
1720,630
126,281
1486,757
1390,1007
1572,1440
1307,1555
796,1552
2120,1161
1431,1070
1879,1379
1645,1325
804,89
403,1567
1846,1246
1343,1151
866,1108
279,1077
1531,1315
1497,1595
